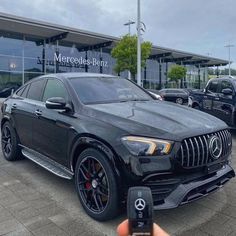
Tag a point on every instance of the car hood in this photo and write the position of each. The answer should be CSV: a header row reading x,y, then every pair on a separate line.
x,y
156,119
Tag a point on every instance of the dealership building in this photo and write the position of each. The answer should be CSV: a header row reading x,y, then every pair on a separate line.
x,y
29,48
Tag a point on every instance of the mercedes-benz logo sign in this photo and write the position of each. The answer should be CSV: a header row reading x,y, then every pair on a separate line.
x,y
215,147
139,204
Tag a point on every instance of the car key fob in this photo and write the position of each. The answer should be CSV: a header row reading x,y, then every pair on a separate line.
x,y
140,211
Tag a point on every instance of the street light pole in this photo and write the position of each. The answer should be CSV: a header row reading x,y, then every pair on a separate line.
x,y
129,31
129,23
229,46
139,45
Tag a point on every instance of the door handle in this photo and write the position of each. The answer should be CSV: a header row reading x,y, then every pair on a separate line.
x,y
38,113
217,98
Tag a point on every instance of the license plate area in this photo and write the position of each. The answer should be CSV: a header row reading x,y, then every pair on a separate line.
x,y
214,168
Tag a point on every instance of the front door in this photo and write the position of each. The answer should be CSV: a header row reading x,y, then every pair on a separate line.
x,y
50,129
210,95
223,106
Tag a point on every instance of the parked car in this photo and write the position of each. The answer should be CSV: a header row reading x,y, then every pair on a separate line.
x,y
155,94
179,96
218,99
108,134
8,89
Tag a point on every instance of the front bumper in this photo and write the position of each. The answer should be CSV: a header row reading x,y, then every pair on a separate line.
x,y
173,192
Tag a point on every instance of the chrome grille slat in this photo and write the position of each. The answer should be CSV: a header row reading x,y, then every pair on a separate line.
x,y
188,158
198,151
224,143
182,155
203,155
194,151
207,149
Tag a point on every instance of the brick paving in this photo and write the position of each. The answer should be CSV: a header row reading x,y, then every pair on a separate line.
x,y
35,202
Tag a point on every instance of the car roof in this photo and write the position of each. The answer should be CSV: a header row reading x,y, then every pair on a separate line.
x,y
67,75
223,78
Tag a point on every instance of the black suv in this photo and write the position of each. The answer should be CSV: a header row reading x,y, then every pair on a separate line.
x,y
109,134
217,99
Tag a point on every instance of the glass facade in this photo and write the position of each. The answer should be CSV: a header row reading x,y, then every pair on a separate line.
x,y
23,57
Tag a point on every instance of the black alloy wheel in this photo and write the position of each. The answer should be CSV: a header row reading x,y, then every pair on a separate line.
x,y
10,148
179,101
6,141
96,185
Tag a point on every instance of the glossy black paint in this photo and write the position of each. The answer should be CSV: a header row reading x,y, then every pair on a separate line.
x,y
63,135
220,103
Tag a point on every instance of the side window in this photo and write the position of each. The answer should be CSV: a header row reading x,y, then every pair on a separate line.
x,y
54,88
24,94
19,92
213,87
35,90
225,85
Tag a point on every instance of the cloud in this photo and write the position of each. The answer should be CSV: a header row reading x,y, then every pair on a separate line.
x,y
197,26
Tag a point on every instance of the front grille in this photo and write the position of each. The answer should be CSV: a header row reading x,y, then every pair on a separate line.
x,y
194,151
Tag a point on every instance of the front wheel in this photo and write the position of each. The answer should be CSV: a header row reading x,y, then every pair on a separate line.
x,y
96,185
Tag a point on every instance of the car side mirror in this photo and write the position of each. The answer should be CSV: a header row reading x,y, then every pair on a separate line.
x,y
57,103
227,91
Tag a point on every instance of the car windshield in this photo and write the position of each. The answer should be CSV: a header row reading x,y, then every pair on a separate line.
x,y
92,90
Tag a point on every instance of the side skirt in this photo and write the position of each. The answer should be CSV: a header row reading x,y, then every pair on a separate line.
x,y
47,163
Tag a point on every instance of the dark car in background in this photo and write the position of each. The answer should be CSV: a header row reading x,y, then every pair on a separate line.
x,y
217,99
7,89
179,96
108,134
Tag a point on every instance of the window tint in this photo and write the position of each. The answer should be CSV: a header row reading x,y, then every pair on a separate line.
x,y
35,90
54,88
213,86
226,84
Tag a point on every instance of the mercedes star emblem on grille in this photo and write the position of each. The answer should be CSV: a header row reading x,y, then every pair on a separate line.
x,y
215,147
140,204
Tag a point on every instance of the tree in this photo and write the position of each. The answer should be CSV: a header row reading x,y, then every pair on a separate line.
x,y
177,73
125,54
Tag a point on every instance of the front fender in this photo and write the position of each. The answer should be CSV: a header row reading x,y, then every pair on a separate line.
x,y
94,142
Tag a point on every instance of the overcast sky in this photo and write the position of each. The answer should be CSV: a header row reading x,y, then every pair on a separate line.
x,y
200,26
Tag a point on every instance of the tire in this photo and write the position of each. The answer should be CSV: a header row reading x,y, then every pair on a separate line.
x,y
179,101
196,107
10,149
96,185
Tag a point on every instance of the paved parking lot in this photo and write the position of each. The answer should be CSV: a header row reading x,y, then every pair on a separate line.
x,y
35,202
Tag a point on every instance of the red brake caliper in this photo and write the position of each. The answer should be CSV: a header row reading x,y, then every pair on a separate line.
x,y
88,184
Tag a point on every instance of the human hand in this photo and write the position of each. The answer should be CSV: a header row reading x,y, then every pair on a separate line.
x,y
123,229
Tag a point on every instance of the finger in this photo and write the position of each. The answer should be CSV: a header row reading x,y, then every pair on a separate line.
x,y
123,228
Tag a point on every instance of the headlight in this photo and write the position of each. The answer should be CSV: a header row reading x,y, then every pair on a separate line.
x,y
140,146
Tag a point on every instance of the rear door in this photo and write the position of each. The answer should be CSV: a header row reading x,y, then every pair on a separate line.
x,y
223,106
23,110
209,96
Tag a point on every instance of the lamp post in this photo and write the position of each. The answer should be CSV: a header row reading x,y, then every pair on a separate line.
x,y
229,46
129,23
139,44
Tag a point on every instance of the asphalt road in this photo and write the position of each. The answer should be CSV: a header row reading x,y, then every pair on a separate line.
x,y
35,202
